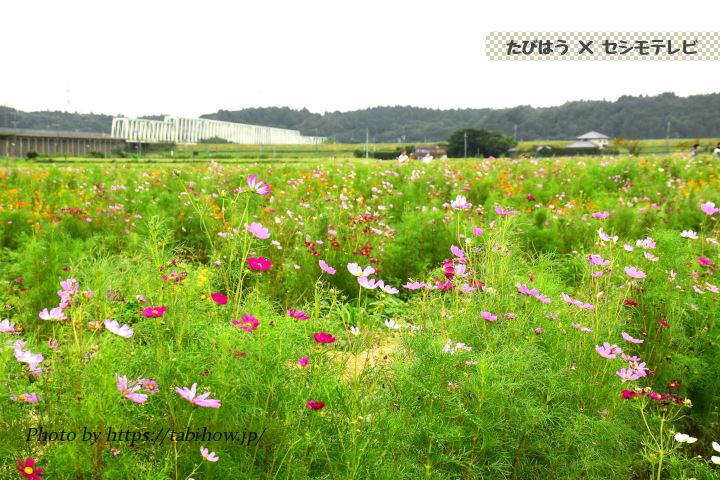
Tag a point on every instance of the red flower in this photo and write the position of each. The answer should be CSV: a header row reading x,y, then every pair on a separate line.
x,y
323,337
154,312
259,263
663,322
219,298
315,405
27,469
632,303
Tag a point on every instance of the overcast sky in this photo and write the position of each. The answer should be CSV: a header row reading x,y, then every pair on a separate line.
x,y
188,58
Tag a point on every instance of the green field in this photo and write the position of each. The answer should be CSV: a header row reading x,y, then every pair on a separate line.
x,y
359,319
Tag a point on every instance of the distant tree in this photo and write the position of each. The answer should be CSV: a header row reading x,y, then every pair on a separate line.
x,y
480,142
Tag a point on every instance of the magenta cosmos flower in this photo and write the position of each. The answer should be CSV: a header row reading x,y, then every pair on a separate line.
x,y
315,405
258,231
248,323
326,268
129,391
28,470
704,261
259,263
154,312
199,401
601,215
219,298
635,272
298,314
322,337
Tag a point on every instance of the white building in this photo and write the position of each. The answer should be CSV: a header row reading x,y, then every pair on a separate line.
x,y
194,130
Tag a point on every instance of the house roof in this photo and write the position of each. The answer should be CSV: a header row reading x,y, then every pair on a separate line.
x,y
593,135
583,144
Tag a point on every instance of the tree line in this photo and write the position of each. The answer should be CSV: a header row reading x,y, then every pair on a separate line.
x,y
629,117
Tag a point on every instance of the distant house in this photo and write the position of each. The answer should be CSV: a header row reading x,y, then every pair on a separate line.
x,y
590,141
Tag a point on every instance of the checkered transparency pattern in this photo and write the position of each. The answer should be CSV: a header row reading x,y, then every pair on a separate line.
x,y
706,46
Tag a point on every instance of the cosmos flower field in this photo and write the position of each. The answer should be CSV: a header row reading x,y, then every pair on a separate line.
x,y
499,319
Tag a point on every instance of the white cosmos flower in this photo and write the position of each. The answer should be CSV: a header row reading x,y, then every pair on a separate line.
x,y
684,438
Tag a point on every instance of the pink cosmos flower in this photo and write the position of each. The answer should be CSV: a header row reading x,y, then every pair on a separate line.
x,y
258,186
326,268
249,323
322,337
500,211
26,398
258,231
201,400
208,455
457,251
414,285
315,405
259,263
460,203
55,314
388,289
601,215
303,361
26,356
577,326
114,326
150,385
8,327
608,351
598,261
477,231
709,208
488,316
219,298
634,272
357,271
154,312
129,391
630,339
298,314
627,374
538,331
370,284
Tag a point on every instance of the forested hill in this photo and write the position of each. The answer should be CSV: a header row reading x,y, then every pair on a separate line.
x,y
631,117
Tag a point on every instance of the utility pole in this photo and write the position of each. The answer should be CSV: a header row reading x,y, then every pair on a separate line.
x,y
465,135
667,138
367,142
